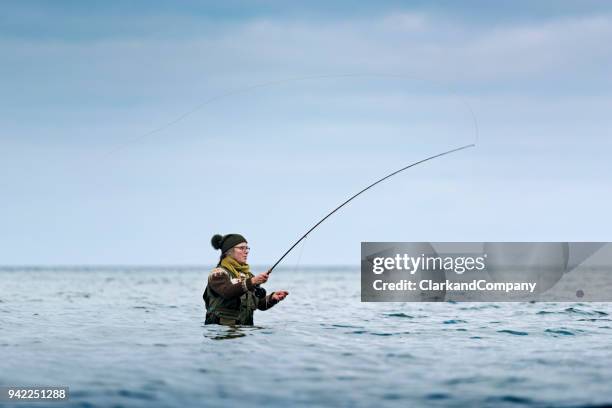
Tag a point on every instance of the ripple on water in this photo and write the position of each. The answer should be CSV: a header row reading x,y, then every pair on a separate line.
x,y
575,310
346,377
513,332
392,396
454,321
595,320
562,331
402,315
74,295
154,385
480,307
437,396
400,355
511,381
464,380
381,334
343,326
136,395
510,398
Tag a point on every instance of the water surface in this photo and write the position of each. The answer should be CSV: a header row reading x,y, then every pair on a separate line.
x,y
135,337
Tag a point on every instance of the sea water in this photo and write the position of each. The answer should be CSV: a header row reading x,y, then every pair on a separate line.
x,y
136,337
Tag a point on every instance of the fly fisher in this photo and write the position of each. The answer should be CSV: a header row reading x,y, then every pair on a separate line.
x,y
232,292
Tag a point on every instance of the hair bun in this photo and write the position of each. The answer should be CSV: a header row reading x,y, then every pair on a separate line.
x,y
216,241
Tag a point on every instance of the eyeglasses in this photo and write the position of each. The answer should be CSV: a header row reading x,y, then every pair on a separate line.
x,y
243,248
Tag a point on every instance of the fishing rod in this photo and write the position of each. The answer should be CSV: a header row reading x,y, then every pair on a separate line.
x,y
363,191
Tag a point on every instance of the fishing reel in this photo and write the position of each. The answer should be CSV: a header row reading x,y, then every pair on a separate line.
x,y
259,291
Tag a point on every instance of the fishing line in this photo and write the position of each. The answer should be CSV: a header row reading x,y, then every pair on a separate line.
x,y
299,255
253,87
476,131
223,96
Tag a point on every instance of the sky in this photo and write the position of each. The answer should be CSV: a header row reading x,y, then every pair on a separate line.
x,y
131,132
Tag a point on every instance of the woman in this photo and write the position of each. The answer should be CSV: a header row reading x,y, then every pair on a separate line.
x,y
231,293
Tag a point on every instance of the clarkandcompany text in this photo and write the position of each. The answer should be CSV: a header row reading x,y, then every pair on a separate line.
x,y
430,285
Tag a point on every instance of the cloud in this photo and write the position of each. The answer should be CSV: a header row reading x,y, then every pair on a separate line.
x,y
426,47
538,88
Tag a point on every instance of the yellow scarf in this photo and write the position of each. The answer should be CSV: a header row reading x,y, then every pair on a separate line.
x,y
237,269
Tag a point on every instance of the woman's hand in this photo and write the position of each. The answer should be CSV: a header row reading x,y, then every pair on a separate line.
x,y
280,295
259,279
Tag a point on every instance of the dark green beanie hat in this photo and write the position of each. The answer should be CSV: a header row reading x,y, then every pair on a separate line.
x,y
226,242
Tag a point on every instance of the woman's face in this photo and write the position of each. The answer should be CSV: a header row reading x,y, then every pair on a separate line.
x,y
241,252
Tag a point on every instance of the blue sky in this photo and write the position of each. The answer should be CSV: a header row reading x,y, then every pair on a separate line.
x,y
83,85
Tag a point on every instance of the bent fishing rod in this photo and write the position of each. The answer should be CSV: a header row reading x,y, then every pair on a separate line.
x,y
363,191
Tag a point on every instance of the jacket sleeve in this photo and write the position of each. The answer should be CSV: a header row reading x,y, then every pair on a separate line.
x,y
219,281
266,303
